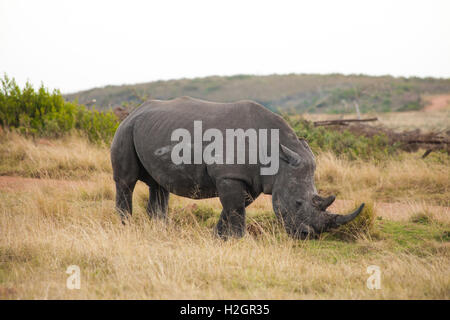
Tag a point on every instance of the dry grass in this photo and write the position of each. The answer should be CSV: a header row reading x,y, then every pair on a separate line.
x,y
46,230
45,227
401,179
70,157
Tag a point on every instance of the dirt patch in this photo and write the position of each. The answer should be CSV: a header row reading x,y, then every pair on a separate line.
x,y
21,184
7,293
437,102
397,211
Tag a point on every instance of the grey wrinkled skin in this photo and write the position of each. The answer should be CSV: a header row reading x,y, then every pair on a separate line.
x,y
141,150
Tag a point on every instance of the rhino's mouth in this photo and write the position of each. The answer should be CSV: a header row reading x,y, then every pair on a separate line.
x,y
305,235
303,232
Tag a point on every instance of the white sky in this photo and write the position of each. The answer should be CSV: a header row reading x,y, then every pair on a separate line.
x,y
77,44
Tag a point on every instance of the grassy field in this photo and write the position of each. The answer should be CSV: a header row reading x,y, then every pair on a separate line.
x,y
57,210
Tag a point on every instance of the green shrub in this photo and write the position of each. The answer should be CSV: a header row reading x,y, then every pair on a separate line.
x,y
411,106
422,217
343,143
42,113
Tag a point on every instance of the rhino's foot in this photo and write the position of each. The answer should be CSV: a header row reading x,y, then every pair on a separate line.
x,y
124,194
230,225
125,220
232,194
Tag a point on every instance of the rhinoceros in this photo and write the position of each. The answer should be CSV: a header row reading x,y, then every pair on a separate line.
x,y
142,149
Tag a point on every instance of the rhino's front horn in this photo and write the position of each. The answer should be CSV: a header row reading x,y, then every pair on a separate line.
x,y
343,219
327,221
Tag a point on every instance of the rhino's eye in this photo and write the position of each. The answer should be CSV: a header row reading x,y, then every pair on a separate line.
x,y
299,203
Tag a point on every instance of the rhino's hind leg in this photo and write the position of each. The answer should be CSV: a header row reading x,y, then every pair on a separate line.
x,y
233,198
158,202
124,196
126,168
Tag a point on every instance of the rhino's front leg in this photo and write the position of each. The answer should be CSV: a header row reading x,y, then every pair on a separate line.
x,y
232,219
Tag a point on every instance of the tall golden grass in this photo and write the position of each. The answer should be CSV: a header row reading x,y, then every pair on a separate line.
x,y
68,157
67,217
401,179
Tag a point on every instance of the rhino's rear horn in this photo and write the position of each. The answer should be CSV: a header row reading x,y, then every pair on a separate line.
x,y
323,203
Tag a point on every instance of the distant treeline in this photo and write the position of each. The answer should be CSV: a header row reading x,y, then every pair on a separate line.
x,y
43,113
299,93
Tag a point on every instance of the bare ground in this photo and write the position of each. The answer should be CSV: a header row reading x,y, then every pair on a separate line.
x,y
437,102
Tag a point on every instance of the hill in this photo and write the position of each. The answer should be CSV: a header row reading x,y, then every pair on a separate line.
x,y
312,93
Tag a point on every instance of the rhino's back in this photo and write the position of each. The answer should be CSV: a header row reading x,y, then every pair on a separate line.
x,y
181,112
154,122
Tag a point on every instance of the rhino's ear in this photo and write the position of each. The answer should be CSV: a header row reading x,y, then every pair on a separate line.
x,y
290,156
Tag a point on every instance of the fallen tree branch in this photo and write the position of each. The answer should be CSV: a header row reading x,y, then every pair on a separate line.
x,y
426,153
341,121
428,141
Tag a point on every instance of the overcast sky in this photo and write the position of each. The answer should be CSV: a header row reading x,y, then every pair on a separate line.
x,y
77,44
